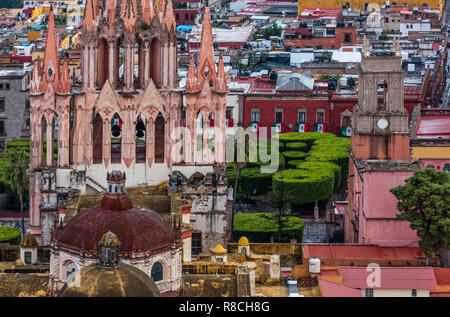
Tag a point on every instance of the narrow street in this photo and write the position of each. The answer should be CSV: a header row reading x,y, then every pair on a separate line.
x,y
446,24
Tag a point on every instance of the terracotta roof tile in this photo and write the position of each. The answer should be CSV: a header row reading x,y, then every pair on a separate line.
x,y
330,289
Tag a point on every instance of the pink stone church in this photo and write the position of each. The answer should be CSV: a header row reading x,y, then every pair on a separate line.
x,y
126,115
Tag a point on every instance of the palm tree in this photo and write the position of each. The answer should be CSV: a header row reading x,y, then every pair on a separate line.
x,y
13,172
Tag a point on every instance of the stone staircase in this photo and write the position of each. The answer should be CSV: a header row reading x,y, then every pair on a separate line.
x,y
95,185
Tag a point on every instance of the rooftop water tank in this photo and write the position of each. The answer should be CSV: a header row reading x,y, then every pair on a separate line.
x,y
314,265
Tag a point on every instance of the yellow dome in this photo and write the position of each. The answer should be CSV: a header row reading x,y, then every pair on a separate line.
x,y
243,241
219,249
29,241
122,280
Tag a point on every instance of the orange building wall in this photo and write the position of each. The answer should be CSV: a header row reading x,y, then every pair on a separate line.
x,y
393,147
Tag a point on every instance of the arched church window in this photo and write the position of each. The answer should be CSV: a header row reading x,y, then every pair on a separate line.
x,y
383,87
199,131
140,139
103,63
97,139
116,139
157,272
120,62
139,56
71,270
155,62
211,135
159,139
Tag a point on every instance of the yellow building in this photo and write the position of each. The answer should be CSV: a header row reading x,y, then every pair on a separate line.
x,y
363,4
430,139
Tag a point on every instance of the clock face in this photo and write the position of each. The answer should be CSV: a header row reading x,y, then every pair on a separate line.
x,y
382,123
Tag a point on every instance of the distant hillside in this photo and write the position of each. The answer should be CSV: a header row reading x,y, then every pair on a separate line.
x,y
11,4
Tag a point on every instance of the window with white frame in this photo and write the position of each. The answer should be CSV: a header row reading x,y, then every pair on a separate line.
x,y
279,115
255,115
301,116
320,116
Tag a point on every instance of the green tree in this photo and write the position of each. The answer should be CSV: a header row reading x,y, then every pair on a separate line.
x,y
273,30
384,37
424,201
281,200
13,173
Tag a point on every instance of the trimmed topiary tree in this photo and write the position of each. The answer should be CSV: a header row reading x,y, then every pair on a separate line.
x,y
336,169
306,137
294,155
9,235
259,227
296,146
254,182
344,143
281,162
294,163
303,186
332,154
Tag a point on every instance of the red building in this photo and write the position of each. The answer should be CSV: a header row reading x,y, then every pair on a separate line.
x,y
186,11
325,37
305,110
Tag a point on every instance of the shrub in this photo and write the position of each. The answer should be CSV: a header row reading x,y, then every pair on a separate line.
x,y
306,137
9,235
253,181
296,146
294,155
336,169
259,227
325,153
293,163
281,162
301,186
231,176
344,143
19,142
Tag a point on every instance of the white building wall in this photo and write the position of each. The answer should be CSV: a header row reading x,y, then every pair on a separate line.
x,y
397,293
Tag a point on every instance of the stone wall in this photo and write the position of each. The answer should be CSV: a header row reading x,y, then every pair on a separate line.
x,y
317,232
14,114
224,285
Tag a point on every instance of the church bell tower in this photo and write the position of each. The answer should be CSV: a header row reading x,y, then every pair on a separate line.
x,y
380,121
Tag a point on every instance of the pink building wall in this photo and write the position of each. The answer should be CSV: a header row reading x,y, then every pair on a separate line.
x,y
377,210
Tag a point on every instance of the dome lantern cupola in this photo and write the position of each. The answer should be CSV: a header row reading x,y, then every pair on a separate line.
x,y
116,182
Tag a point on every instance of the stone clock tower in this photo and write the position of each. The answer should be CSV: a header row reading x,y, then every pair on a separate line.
x,y
380,154
380,122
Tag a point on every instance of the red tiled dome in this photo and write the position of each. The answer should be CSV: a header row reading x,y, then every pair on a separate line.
x,y
138,229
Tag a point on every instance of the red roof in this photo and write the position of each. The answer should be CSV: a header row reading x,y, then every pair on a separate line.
x,y
359,251
442,276
433,125
138,229
391,277
330,289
